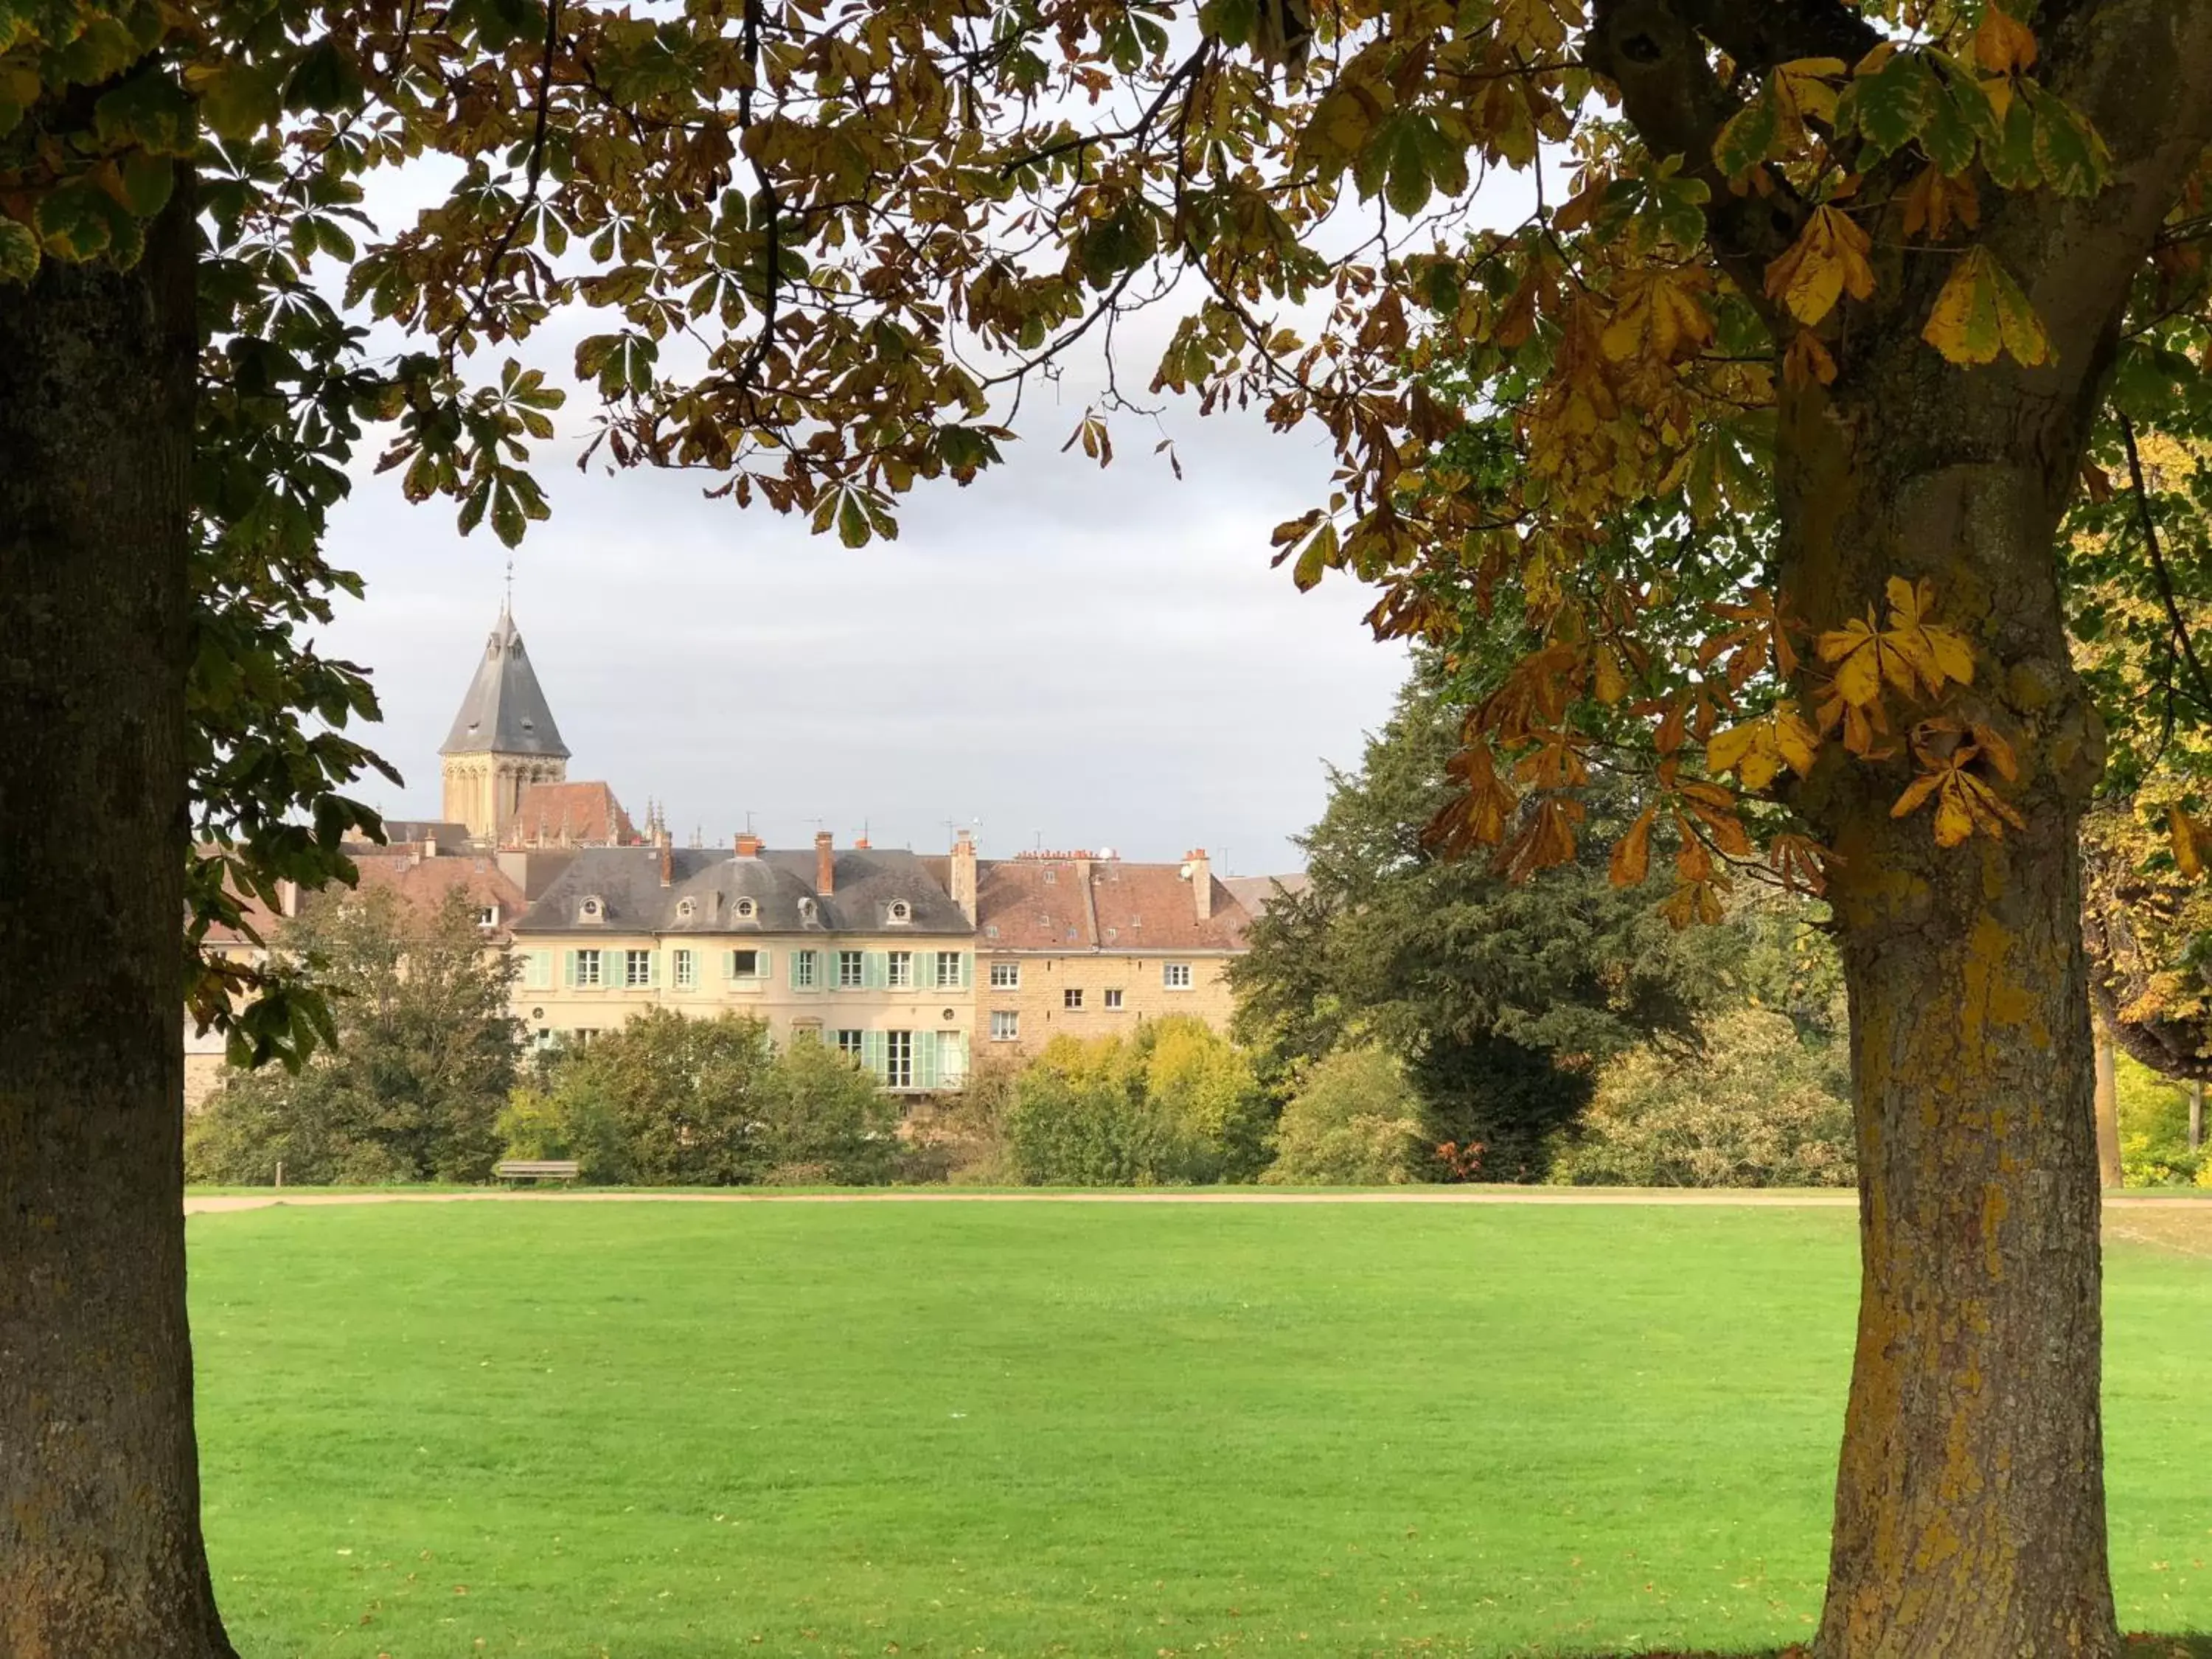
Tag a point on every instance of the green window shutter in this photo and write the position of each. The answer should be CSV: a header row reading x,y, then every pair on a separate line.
x,y
967,970
872,1054
925,1060
652,969
729,965
761,964
569,969
791,968
876,974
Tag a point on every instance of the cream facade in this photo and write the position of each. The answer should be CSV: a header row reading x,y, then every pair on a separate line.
x,y
862,949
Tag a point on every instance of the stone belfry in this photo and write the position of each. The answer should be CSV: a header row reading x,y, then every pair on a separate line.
x,y
503,740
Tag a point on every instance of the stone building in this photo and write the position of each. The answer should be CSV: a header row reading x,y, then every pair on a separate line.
x,y
1086,943
862,949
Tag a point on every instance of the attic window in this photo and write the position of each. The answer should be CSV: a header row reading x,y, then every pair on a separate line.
x,y
902,911
806,910
747,909
684,909
592,909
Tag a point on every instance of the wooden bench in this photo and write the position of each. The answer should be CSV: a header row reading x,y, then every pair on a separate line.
x,y
538,1169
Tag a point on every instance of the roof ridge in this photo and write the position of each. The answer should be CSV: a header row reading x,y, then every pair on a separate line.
x,y
504,711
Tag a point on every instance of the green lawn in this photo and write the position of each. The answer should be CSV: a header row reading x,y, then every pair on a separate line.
x,y
978,1429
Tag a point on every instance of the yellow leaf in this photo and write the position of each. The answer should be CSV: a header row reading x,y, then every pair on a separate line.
x,y
1981,312
1612,684
1795,741
1933,200
1728,747
1911,801
1806,95
2183,833
1807,361
2002,43
1856,650
1631,858
1937,653
1954,823
1828,259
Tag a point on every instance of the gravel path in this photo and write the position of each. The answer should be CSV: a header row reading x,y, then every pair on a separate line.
x,y
213,1205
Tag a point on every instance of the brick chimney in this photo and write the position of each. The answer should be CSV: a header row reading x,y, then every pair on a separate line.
x,y
964,874
667,861
749,844
825,863
1201,881
861,844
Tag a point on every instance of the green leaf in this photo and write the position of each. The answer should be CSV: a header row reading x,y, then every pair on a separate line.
x,y
1953,127
150,111
19,251
852,528
148,180
78,221
2071,154
2012,160
239,100
1891,107
1749,136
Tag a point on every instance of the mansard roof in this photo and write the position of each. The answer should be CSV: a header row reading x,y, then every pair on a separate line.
x,y
866,887
505,711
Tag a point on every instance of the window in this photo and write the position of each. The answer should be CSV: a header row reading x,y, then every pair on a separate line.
x,y
1006,1025
637,967
806,1031
1114,998
1005,976
849,1043
902,911
745,964
898,1059
687,969
948,967
802,970
1175,976
587,969
685,910
592,909
852,971
488,916
747,909
583,1036
899,970
1070,998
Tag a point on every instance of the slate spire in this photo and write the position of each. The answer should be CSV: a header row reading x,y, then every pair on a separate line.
x,y
505,711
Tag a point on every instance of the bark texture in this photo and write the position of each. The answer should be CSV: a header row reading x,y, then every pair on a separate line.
x,y
2108,1107
100,1552
1970,1518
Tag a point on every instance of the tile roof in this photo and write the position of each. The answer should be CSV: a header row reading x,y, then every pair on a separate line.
x,y
504,711
1256,893
422,884
570,814
1101,904
865,887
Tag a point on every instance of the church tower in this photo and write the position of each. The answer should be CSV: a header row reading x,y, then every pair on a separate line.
x,y
503,740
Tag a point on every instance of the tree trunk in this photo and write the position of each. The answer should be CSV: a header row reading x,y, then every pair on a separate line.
x,y
1969,1510
2195,1114
101,1551
2109,1171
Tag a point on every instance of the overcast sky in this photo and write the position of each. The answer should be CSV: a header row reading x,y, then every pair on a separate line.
x,y
1097,658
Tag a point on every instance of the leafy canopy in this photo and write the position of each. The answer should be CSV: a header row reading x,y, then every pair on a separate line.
x,y
818,248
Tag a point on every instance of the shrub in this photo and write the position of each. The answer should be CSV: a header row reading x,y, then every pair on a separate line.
x,y
822,1122
1174,1104
571,1123
2154,1130
1754,1106
683,1093
1353,1122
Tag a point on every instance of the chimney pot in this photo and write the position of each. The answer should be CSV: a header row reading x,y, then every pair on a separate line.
x,y
667,863
748,844
1201,884
963,874
825,862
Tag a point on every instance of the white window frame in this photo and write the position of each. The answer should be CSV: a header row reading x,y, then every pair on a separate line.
x,y
899,970
850,1043
1005,976
898,1059
802,970
1070,999
1177,976
1006,1025
747,909
948,969
637,970
590,970
753,972
1113,996
852,971
685,972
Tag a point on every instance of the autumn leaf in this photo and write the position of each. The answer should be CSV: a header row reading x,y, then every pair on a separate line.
x,y
1660,312
2002,44
1934,198
1934,652
1631,855
1693,901
1827,260
1806,362
2183,832
1981,312
1757,751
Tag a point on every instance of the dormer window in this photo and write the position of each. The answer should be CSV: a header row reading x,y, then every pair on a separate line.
x,y
806,910
488,916
685,909
747,909
902,911
593,908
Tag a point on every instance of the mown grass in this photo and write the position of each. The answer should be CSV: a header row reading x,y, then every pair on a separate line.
x,y
987,1429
